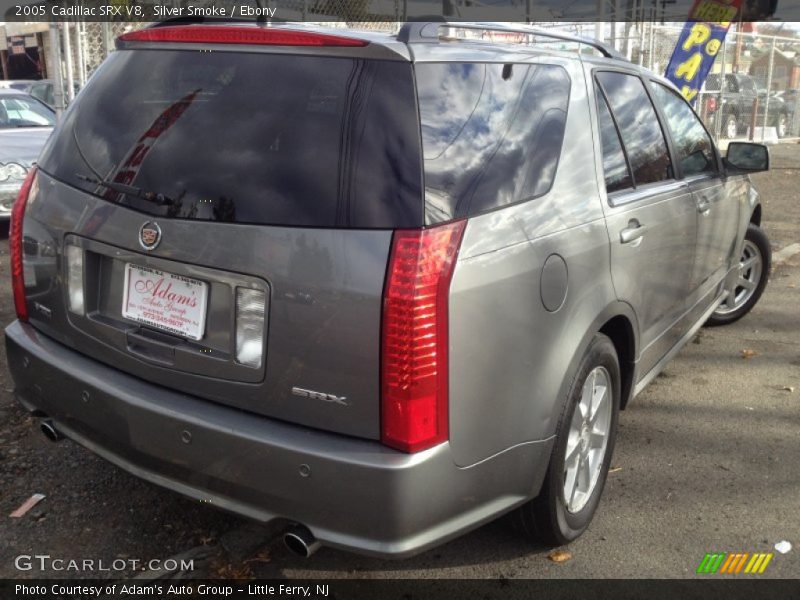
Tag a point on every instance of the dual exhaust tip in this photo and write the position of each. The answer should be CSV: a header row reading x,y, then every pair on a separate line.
x,y
300,541
50,432
298,538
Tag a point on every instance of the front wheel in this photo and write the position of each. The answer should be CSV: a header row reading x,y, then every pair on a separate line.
x,y
754,267
582,452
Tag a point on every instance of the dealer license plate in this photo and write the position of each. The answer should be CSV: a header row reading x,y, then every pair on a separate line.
x,y
165,301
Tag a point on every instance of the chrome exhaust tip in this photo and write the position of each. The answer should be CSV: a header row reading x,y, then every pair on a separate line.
x,y
300,541
50,431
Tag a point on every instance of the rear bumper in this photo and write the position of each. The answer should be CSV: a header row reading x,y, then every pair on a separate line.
x,y
357,494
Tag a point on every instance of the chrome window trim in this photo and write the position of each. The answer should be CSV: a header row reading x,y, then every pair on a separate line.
x,y
651,190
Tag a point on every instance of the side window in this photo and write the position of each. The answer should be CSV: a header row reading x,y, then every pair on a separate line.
x,y
638,124
693,146
491,134
615,165
38,91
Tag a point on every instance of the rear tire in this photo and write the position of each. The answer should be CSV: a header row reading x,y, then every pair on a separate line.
x,y
754,267
576,473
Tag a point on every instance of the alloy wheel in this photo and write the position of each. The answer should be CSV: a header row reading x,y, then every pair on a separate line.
x,y
750,267
587,440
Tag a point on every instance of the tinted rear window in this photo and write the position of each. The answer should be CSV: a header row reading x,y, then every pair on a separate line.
x,y
248,138
491,134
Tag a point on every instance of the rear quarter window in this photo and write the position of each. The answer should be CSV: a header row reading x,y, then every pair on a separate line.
x,y
491,134
248,138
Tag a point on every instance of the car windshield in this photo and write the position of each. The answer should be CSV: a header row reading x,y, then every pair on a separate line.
x,y
21,111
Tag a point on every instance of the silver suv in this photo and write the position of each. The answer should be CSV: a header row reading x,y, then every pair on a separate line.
x,y
381,288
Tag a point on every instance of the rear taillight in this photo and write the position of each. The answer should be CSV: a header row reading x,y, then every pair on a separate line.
x,y
224,34
414,368
15,244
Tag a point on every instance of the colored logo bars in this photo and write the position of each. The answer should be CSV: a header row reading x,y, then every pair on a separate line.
x,y
734,563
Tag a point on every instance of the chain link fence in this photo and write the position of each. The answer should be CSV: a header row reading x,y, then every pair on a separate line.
x,y
752,92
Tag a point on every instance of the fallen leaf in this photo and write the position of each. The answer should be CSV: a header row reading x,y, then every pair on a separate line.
x,y
261,557
26,506
748,353
559,556
227,571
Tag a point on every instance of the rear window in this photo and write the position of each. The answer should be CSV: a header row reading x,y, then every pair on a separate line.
x,y
491,134
247,138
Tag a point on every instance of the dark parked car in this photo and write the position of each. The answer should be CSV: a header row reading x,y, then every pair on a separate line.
x,y
734,106
25,125
379,288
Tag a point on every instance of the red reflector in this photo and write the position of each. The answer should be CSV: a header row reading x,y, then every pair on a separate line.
x,y
225,34
15,245
414,367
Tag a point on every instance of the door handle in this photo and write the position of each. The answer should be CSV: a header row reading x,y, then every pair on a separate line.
x,y
634,231
703,206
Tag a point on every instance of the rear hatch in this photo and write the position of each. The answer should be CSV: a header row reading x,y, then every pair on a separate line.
x,y
219,222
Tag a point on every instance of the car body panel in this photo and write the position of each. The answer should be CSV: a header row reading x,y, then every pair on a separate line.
x,y
653,275
352,494
324,315
497,291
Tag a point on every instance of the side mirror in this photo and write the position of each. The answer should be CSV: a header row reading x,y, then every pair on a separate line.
x,y
747,158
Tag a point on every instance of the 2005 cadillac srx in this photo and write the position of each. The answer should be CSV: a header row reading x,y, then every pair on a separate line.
x,y
382,288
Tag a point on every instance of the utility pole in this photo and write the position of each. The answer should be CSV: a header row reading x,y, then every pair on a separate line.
x,y
599,25
80,42
55,68
68,60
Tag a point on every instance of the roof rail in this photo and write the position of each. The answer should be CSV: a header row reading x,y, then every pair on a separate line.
x,y
416,32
